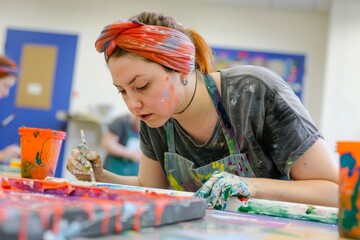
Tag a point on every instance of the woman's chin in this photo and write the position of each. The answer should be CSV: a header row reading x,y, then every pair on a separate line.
x,y
155,123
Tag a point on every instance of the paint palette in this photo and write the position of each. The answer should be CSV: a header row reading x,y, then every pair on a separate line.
x,y
42,209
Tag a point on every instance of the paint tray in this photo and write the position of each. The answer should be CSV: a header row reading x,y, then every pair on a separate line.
x,y
42,209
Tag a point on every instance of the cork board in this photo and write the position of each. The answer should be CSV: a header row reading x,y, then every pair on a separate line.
x,y
36,82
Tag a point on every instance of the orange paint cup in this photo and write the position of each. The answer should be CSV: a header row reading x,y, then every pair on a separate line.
x,y
40,149
349,195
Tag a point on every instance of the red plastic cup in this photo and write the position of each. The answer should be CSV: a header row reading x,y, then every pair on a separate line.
x,y
40,149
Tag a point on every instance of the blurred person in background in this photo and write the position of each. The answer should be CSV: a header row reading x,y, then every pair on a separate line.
x,y
122,144
8,75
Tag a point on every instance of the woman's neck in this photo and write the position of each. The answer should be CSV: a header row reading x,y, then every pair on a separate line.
x,y
200,118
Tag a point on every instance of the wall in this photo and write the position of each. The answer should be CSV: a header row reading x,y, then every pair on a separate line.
x,y
222,25
340,119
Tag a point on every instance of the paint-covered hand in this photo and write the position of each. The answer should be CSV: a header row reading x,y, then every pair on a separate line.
x,y
11,151
80,161
220,187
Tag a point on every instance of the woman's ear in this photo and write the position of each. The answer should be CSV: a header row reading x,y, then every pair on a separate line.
x,y
183,76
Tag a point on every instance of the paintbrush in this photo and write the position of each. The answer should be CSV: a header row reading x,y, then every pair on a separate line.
x,y
87,163
7,120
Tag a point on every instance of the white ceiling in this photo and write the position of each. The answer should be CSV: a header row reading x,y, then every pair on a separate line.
x,y
296,5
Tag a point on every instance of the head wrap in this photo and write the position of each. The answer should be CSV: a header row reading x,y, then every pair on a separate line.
x,y
162,45
7,67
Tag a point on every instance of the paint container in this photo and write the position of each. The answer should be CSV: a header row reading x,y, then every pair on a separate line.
x,y
349,198
40,149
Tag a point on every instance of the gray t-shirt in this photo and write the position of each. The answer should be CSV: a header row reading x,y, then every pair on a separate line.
x,y
271,125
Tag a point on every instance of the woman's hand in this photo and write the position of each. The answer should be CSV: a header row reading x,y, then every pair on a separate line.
x,y
9,152
220,187
78,163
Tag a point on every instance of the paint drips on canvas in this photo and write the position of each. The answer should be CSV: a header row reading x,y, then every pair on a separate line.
x,y
62,210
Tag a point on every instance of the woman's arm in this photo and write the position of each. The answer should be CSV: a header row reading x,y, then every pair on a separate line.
x,y
150,174
110,142
315,180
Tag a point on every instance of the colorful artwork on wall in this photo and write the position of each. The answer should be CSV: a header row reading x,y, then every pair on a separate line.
x,y
289,66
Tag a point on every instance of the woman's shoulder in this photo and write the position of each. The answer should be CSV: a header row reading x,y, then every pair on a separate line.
x,y
252,74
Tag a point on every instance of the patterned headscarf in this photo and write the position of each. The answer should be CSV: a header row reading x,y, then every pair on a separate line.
x,y
162,45
8,67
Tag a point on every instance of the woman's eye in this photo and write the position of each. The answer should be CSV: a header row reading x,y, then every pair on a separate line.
x,y
142,87
122,91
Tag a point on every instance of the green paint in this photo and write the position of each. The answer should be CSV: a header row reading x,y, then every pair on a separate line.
x,y
281,232
349,219
37,158
26,169
279,210
226,193
310,209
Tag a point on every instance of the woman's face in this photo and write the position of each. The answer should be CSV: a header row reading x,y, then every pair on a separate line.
x,y
5,84
150,92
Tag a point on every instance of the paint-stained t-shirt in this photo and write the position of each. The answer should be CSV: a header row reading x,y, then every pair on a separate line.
x,y
271,125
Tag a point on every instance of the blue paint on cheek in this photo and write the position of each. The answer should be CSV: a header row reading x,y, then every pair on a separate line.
x,y
164,96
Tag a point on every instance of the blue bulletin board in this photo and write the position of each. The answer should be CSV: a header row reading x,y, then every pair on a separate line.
x,y
289,66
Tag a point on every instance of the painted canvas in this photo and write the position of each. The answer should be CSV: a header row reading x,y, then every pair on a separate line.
x,y
43,209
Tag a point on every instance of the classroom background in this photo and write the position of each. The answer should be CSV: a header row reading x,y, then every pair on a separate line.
x,y
325,32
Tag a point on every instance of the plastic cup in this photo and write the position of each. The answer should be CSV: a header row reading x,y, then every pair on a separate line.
x,y
40,149
349,195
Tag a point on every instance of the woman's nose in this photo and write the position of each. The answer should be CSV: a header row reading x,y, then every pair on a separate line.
x,y
133,102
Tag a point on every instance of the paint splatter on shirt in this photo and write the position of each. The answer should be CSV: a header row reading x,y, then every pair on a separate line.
x,y
271,125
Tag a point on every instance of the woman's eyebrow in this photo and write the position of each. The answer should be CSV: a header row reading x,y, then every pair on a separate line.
x,y
131,81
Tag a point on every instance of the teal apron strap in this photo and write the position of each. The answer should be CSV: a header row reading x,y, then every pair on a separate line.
x,y
170,135
224,119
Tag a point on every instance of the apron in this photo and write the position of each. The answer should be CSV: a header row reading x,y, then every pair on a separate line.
x,y
181,172
123,166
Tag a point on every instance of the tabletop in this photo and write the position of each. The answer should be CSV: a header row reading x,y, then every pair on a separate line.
x,y
238,225
228,225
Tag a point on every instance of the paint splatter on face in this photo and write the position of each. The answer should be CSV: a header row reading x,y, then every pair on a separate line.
x,y
165,94
149,90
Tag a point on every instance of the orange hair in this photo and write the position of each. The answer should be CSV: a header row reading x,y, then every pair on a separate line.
x,y
203,53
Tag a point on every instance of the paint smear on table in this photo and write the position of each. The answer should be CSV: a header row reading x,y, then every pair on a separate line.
x,y
254,206
284,209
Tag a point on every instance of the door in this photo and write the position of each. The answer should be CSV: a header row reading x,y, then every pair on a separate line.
x,y
46,63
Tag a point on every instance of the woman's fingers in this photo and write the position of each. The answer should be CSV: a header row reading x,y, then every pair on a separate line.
x,y
220,187
205,190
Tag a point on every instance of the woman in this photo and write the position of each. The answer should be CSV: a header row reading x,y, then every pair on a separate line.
x,y
121,142
8,74
238,131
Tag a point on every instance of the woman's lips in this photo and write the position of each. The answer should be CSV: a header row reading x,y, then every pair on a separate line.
x,y
144,117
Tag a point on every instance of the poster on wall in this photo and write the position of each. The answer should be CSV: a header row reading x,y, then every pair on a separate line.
x,y
289,66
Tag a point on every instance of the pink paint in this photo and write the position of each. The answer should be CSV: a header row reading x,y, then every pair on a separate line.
x,y
105,222
58,210
24,224
118,224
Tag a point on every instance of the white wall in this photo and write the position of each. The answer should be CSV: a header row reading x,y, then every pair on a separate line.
x,y
340,119
222,25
